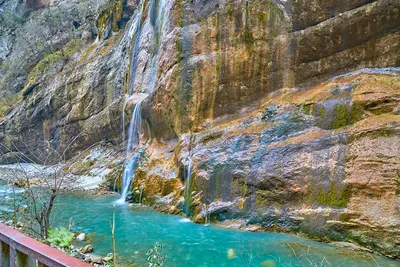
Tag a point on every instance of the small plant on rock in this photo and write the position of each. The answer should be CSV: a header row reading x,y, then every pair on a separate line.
x,y
155,258
109,260
60,237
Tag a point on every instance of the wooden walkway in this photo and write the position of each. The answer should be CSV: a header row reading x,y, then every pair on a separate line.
x,y
18,250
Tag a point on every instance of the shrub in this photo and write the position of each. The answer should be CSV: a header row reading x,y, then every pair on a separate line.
x,y
60,237
155,258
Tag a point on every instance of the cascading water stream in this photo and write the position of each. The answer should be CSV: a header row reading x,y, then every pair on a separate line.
x,y
135,126
135,53
188,174
129,171
206,215
133,140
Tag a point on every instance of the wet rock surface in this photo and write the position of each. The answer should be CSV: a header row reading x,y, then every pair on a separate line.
x,y
243,88
321,161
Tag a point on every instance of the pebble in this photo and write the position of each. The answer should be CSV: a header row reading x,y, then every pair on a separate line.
x,y
86,249
81,237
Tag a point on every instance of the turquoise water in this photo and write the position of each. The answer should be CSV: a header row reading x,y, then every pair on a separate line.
x,y
188,244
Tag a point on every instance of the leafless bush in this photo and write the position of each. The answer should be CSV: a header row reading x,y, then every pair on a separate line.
x,y
41,189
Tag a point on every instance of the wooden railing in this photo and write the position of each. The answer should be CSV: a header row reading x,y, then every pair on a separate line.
x,y
18,250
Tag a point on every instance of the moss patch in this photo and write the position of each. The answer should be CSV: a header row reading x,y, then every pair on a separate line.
x,y
230,9
340,118
117,10
262,17
7,102
337,196
82,168
180,11
356,112
308,109
341,115
103,21
48,62
247,36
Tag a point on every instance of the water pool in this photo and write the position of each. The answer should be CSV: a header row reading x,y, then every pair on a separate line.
x,y
185,243
188,244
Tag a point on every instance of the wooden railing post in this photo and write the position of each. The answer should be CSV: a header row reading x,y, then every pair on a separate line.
x,y
24,260
4,254
18,250
13,256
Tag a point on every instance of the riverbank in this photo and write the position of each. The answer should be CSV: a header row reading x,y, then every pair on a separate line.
x,y
80,188
86,172
139,227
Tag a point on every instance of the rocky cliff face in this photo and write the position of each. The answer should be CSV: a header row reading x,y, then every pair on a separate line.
x,y
242,88
322,161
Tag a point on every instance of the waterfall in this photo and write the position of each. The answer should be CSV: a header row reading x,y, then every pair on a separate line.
x,y
207,220
135,53
133,140
141,194
135,126
123,124
129,171
188,174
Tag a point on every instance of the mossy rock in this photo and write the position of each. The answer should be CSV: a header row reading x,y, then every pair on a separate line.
x,y
7,102
180,11
48,62
114,178
117,11
103,21
343,114
336,196
82,167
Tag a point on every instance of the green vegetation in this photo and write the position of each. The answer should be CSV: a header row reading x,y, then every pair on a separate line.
x,y
179,49
110,262
340,119
341,116
262,17
111,15
7,102
345,217
60,237
308,109
244,189
230,9
259,198
117,9
82,167
180,8
247,36
155,258
218,27
218,63
336,196
356,112
103,21
48,62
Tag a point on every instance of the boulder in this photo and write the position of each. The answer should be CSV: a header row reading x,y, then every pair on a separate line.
x,y
86,249
81,237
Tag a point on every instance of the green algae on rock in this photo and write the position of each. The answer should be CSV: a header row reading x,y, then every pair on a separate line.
x,y
245,89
